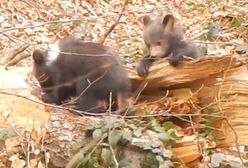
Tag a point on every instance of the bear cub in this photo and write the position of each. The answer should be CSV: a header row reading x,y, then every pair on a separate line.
x,y
164,40
85,70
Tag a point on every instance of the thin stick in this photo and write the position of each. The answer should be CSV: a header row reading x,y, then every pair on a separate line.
x,y
110,132
12,60
221,110
90,84
28,152
166,114
105,35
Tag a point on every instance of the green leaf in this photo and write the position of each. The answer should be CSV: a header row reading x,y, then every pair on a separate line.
x,y
165,164
166,153
127,135
156,126
154,122
138,132
158,129
111,121
164,137
92,163
156,150
173,135
168,125
156,144
115,137
133,126
89,146
76,146
97,134
77,160
106,157
125,163
149,161
159,158
82,160
147,146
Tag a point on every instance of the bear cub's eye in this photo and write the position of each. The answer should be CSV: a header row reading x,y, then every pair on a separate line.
x,y
158,43
148,45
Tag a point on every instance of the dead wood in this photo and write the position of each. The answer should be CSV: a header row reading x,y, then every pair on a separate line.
x,y
17,56
220,85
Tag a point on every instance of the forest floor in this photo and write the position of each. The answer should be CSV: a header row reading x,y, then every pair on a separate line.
x,y
220,26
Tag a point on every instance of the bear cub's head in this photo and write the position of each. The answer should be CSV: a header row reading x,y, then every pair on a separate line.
x,y
41,68
163,39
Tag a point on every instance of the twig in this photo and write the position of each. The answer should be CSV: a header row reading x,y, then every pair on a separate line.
x,y
74,162
106,54
152,102
105,35
53,106
139,90
166,114
103,67
110,132
14,39
6,35
14,59
17,59
90,84
28,152
195,133
226,119
18,51
43,149
236,141
188,121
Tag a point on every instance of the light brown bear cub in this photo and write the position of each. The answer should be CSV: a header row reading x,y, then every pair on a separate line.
x,y
164,40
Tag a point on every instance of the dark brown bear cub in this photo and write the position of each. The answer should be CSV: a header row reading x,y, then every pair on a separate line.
x,y
86,70
164,40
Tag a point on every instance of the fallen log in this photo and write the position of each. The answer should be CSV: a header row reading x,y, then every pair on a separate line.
x,y
219,83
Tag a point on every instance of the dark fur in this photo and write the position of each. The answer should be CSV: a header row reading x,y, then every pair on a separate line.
x,y
71,74
164,40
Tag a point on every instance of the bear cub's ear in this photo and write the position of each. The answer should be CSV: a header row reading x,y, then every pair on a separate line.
x,y
169,22
147,19
38,56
